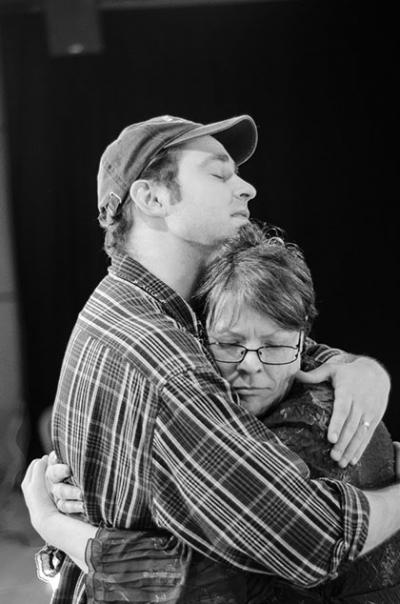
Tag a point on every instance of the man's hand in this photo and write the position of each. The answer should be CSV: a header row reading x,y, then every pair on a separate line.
x,y
67,498
362,389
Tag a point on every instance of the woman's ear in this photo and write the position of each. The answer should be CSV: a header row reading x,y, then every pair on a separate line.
x,y
150,198
302,341
303,338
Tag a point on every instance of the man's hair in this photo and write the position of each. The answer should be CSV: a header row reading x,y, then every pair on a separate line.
x,y
163,169
257,269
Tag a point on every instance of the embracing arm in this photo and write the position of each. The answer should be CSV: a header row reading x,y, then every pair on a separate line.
x,y
229,488
244,498
63,532
226,486
246,494
128,565
301,422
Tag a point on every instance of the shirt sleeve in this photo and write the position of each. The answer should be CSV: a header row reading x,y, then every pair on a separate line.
x,y
136,566
227,486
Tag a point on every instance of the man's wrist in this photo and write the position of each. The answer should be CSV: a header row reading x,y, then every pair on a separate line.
x,y
384,515
375,366
345,358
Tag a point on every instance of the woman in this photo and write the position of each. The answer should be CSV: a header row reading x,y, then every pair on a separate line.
x,y
259,306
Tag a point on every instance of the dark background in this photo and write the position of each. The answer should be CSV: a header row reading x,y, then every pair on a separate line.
x,y
320,80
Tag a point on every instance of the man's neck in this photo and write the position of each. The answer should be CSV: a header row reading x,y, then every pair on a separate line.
x,y
175,262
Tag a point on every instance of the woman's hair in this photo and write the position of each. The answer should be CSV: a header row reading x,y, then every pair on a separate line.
x,y
163,169
257,269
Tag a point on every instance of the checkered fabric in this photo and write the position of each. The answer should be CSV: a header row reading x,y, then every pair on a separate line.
x,y
155,438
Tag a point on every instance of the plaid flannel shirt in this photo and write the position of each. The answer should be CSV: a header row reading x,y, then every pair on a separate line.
x,y
156,438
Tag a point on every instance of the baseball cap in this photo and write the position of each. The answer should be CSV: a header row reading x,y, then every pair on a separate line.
x,y
126,158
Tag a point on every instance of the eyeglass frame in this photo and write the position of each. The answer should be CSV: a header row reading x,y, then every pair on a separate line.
x,y
257,350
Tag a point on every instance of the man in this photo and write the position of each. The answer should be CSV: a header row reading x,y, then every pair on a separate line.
x,y
150,430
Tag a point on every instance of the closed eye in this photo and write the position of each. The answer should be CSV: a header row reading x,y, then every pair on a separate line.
x,y
224,175
277,346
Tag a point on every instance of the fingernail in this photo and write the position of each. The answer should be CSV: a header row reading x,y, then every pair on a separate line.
x,y
336,454
354,461
343,463
333,437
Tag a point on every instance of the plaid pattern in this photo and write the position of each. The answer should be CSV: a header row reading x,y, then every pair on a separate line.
x,y
155,438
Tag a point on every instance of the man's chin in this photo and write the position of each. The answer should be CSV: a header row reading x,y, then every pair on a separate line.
x,y
239,221
237,224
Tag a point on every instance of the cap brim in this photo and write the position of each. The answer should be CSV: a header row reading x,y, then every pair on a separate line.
x,y
237,134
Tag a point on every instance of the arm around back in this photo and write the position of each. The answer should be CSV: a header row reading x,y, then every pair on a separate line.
x,y
228,487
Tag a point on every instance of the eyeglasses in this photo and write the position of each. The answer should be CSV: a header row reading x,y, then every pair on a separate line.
x,y
225,352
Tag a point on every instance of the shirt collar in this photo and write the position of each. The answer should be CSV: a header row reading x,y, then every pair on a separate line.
x,y
129,269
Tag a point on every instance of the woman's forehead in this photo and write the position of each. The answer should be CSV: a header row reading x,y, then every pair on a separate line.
x,y
237,317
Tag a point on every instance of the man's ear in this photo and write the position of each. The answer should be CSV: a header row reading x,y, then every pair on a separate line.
x,y
150,198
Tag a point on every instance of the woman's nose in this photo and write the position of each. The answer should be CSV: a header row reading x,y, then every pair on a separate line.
x,y
251,362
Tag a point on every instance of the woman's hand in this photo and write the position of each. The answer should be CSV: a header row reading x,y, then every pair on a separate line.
x,y
64,532
37,498
67,498
362,389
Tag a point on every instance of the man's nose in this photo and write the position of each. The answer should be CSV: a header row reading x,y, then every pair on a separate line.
x,y
244,190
